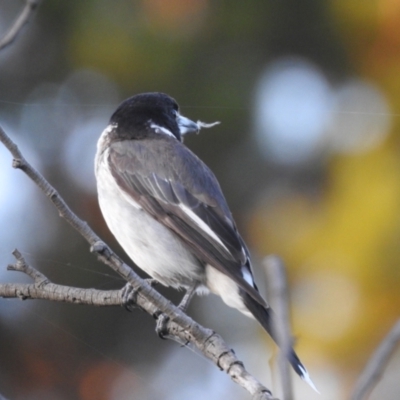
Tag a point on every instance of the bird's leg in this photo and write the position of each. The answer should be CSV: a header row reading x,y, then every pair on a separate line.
x,y
183,305
129,294
162,319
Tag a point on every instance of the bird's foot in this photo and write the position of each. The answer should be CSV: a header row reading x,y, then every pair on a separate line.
x,y
163,320
129,294
162,325
162,329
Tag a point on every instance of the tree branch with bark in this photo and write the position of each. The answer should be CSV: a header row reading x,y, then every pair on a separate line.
x,y
180,327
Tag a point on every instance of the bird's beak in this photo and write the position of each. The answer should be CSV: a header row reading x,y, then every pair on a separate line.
x,y
186,125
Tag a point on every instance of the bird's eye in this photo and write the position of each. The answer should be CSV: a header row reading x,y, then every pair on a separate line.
x,y
175,113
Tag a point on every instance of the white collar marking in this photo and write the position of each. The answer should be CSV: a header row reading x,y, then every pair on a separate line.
x,y
160,129
104,135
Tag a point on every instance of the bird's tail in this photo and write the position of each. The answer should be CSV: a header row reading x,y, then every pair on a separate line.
x,y
265,316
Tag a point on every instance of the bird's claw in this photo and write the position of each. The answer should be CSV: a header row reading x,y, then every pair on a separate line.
x,y
129,297
129,294
162,326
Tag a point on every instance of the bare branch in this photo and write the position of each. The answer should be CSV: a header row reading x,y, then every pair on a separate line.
x,y
205,340
64,294
22,266
44,289
19,23
180,326
279,300
376,365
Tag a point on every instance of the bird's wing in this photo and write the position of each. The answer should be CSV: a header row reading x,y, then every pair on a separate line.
x,y
182,193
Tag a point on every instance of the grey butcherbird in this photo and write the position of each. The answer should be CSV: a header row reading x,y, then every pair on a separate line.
x,y
166,208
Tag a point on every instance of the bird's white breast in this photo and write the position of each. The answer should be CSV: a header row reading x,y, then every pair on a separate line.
x,y
152,246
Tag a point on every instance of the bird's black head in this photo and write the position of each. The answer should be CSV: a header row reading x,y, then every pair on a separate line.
x,y
136,116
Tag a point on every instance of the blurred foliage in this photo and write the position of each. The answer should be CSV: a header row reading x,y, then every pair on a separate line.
x,y
350,229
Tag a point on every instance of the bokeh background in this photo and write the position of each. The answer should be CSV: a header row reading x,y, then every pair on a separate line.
x,y
308,155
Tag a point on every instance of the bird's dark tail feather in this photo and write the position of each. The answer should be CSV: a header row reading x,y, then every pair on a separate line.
x,y
265,316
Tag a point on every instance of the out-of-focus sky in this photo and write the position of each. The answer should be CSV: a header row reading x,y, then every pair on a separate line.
x,y
307,153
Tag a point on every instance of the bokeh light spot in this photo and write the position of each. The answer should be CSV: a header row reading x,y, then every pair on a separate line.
x,y
292,111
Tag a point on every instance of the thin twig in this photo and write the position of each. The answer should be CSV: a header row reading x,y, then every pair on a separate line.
x,y
19,23
376,365
181,326
44,289
279,301
22,266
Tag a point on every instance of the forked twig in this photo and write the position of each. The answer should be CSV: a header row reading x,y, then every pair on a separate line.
x,y
182,327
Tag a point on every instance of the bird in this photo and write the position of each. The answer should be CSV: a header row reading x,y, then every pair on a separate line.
x,y
166,209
